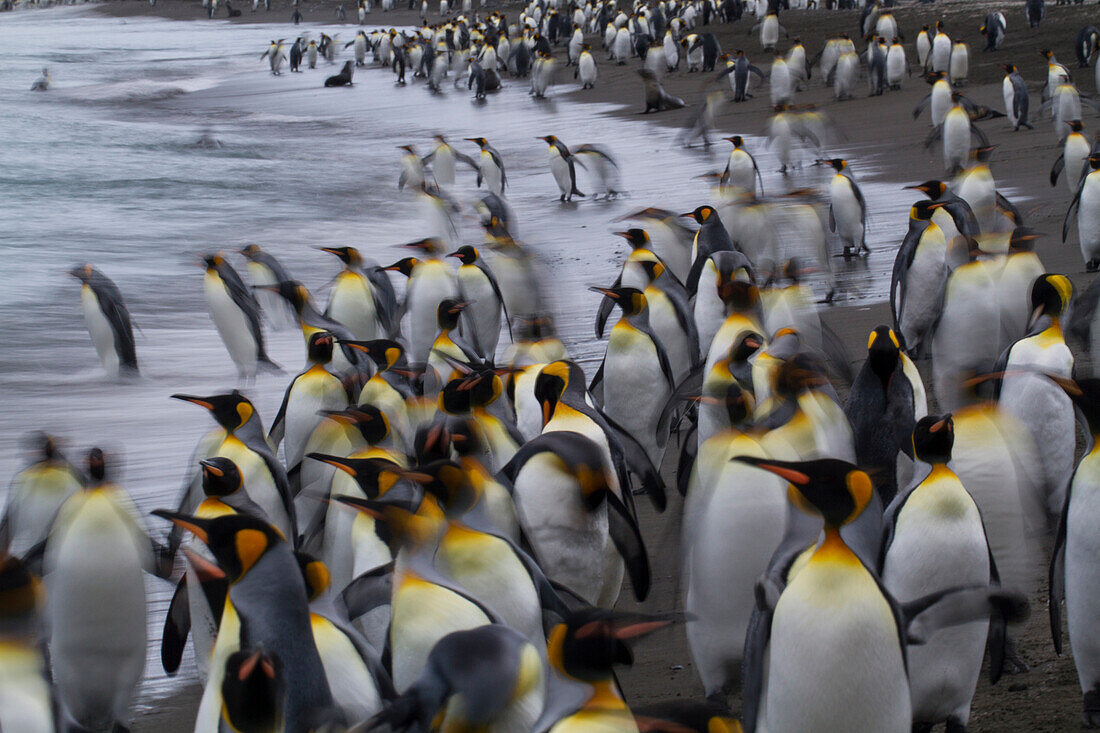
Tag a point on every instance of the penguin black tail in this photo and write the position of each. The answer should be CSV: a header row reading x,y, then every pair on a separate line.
x,y
575,192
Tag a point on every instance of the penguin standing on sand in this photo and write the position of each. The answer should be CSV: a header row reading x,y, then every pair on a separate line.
x,y
564,168
480,322
1074,158
1087,203
935,540
275,56
236,314
740,68
586,68
490,167
1015,96
919,277
108,321
296,55
95,558
847,209
1073,566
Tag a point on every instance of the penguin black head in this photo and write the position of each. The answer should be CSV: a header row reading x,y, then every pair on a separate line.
x,y
348,255
479,141
1094,162
432,442
837,490
252,691
220,476
230,410
403,520
589,642
932,189
550,386
447,313
428,245
631,300
42,445
702,214
798,374
1076,125
1050,294
883,353
320,347
1022,240
638,238
383,352
837,164
405,266
213,261
449,484
292,292
738,295
237,541
739,405
1009,68
737,140
745,346
934,76
653,268
97,466
408,149
1046,53
466,254
550,139
83,273
367,419
251,251
933,438
923,209
375,476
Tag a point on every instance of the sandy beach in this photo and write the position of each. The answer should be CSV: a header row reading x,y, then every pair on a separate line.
x,y
883,143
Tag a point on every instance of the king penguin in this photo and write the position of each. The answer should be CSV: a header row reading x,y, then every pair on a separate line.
x,y
490,167
25,692
236,314
564,168
1087,203
431,281
478,287
108,321
36,493
847,209
362,297
918,278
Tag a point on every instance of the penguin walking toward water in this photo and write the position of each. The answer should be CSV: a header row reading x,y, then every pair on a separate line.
x,y
847,209
95,558
480,321
1087,203
343,79
108,321
275,56
934,540
563,167
1073,566
236,314
1015,96
490,167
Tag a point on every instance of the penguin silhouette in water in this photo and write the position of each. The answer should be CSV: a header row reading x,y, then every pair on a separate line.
x,y
343,79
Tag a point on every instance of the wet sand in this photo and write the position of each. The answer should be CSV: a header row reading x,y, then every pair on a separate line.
x,y
881,141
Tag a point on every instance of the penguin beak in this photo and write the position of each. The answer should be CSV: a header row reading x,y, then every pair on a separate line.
x,y
609,292
209,467
205,569
624,235
336,461
938,426
200,401
184,521
330,250
788,474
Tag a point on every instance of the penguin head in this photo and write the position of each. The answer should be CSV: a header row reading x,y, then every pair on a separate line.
x,y
213,261
737,140
371,422
653,268
550,386
42,446
20,596
83,273
923,209
252,691
837,164
837,490
375,476
385,354
97,467
739,296
315,574
590,641
292,292
450,486
230,410
883,353
931,189
934,76
738,403
447,313
432,442
251,251
404,265
320,347
744,347
237,541
702,214
479,141
348,255
220,476
638,238
631,300
401,521
1046,53
1094,162
431,246
1076,125
796,375
408,149
466,254
1009,68
933,438
550,139
1050,294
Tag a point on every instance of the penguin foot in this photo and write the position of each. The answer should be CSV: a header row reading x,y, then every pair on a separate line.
x,y
1090,718
1092,265
1014,664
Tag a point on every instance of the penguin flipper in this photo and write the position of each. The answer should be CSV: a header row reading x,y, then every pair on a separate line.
x,y
1056,169
484,267
982,137
278,426
368,591
1056,574
936,134
597,380
924,103
177,625
759,634
1008,206
686,463
628,541
923,616
1083,313
638,461
1069,212
832,219
607,305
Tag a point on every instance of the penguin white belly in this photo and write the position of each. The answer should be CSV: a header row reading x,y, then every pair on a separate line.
x,y
960,63
571,544
741,171
923,47
1088,218
443,166
1014,291
924,286
939,543
736,522
1047,412
352,686
941,53
847,212
956,140
941,102
662,317
337,547
232,324
229,641
730,332
36,495
103,335
258,481
634,387
977,187
481,320
352,304
769,32
430,284
695,59
844,675
490,171
895,66
780,83
96,611
1075,156
25,700
587,70
560,168
307,398
1008,92
672,53
655,61
844,81
622,46
967,338
204,628
422,615
1083,571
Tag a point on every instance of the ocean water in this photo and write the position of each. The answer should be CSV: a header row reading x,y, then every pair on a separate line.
x,y
106,168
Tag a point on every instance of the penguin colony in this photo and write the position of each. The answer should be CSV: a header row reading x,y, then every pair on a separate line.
x,y
433,530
